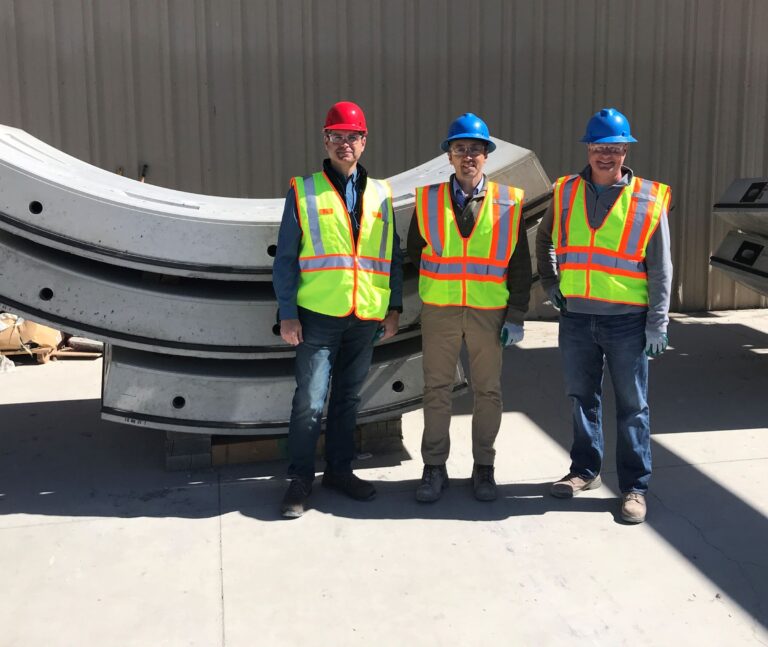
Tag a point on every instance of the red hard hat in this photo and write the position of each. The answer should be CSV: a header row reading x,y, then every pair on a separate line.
x,y
345,115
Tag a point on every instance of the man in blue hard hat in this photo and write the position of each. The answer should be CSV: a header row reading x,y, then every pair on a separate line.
x,y
468,240
603,254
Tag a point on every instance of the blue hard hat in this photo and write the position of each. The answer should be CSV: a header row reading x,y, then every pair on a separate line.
x,y
468,126
608,126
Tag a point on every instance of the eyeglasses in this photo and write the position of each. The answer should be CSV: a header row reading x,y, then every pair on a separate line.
x,y
608,149
462,150
351,138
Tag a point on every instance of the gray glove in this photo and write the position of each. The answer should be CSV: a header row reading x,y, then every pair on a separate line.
x,y
557,298
655,343
511,333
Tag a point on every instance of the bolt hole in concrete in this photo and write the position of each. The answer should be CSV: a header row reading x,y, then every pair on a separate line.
x,y
35,207
178,402
398,386
46,294
272,250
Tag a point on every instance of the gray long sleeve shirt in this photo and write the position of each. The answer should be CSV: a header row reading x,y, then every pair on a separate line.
x,y
658,258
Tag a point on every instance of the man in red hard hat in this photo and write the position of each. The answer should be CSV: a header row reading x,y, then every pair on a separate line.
x,y
338,279
603,254
468,240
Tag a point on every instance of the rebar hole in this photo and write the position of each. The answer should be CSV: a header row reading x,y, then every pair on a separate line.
x,y
398,386
178,402
272,250
276,330
46,294
35,207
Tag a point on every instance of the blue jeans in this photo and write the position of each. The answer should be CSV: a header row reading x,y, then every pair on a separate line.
x,y
336,354
587,343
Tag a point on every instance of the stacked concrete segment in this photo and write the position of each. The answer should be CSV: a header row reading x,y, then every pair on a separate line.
x,y
743,253
179,286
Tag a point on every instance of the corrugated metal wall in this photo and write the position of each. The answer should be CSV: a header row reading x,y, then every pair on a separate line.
x,y
227,96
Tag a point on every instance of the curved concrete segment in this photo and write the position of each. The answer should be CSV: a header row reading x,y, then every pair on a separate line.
x,y
240,397
745,205
744,257
151,312
59,201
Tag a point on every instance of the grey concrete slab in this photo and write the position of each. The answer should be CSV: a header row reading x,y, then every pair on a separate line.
x,y
111,582
527,569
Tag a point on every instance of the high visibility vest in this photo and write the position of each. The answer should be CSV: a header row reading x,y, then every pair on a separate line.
x,y
338,277
458,271
606,264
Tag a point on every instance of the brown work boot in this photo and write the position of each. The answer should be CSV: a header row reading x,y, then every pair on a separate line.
x,y
633,508
572,483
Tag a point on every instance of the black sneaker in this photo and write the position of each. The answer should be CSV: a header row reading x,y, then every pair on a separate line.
x,y
295,500
346,482
483,483
434,480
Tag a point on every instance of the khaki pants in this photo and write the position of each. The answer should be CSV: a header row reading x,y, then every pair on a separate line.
x,y
442,331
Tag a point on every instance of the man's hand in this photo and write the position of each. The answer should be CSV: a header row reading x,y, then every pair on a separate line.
x,y
556,298
655,343
511,333
391,324
290,331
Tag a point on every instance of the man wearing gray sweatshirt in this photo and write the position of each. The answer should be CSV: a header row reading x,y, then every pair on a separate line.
x,y
603,254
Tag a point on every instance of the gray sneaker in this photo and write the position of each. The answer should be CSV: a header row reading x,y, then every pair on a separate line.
x,y
433,481
483,483
572,483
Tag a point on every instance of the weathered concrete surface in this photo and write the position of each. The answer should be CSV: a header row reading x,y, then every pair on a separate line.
x,y
99,545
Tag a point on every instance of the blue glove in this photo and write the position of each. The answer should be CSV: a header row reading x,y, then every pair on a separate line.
x,y
511,333
557,298
655,343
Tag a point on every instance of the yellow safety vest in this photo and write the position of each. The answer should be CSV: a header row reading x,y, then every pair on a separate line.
x,y
606,264
458,271
338,277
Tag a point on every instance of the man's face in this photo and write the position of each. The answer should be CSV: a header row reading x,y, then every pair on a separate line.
x,y
468,156
344,146
606,161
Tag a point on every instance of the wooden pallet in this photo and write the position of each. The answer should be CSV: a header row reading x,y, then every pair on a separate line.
x,y
45,354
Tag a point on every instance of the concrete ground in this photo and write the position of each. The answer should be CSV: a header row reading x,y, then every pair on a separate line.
x,y
100,546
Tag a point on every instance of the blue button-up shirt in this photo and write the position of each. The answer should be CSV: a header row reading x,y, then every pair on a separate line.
x,y
461,197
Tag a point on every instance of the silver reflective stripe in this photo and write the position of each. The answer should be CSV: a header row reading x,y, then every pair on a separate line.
x,y
373,265
572,257
433,218
619,263
569,186
483,269
502,252
327,263
602,260
441,268
313,215
381,193
644,204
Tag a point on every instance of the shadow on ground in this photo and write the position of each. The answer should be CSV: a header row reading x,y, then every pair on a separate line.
x,y
60,459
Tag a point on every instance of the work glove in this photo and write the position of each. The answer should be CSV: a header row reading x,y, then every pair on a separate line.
x,y
556,298
655,343
511,333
